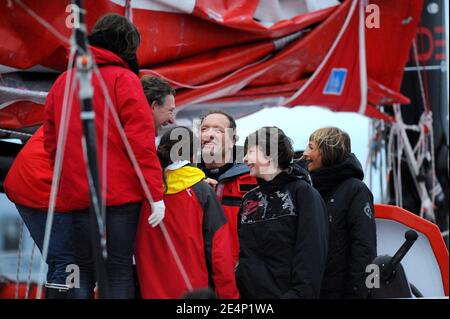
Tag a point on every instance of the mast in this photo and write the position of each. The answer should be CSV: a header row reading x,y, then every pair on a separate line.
x,y
84,65
425,82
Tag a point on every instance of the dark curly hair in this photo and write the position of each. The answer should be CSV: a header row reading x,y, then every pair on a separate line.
x,y
115,33
156,89
178,134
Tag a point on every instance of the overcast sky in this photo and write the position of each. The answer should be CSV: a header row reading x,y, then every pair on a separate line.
x,y
299,122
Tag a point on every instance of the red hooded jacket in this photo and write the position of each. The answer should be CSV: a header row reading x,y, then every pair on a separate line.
x,y
29,179
198,228
232,186
136,118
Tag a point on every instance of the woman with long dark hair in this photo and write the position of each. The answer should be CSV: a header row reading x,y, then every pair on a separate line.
x,y
114,42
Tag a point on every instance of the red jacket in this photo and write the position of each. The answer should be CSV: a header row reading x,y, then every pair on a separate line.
x,y
198,228
29,179
136,117
233,185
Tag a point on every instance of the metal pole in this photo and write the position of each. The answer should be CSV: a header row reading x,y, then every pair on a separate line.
x,y
84,67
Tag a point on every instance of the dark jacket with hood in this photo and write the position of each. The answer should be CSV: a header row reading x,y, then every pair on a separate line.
x,y
283,237
352,234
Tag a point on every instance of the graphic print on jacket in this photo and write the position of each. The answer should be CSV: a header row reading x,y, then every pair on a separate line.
x,y
283,235
281,204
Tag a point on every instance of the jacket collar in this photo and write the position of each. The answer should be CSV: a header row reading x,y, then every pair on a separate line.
x,y
106,57
180,177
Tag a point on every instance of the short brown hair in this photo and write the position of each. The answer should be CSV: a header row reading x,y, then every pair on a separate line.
x,y
265,136
333,144
156,89
218,111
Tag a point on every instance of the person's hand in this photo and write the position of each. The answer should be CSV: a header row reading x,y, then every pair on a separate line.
x,y
211,182
158,212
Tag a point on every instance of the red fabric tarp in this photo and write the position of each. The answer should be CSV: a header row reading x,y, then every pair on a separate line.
x,y
219,50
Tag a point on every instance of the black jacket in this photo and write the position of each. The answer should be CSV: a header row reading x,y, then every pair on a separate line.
x,y
283,238
352,234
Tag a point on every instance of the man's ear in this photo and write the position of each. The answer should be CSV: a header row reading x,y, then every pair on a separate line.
x,y
154,105
235,138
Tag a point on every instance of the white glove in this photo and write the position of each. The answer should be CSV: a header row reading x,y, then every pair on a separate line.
x,y
157,215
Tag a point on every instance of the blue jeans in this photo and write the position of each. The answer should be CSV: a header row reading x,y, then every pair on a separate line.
x,y
121,226
60,250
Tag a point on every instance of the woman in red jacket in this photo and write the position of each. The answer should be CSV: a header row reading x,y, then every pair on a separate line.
x,y
196,223
28,185
114,43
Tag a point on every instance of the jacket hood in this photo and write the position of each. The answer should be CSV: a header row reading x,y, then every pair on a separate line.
x,y
327,178
106,57
295,171
181,178
237,169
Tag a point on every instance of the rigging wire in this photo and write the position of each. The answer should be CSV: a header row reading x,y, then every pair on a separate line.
x,y
59,157
19,258
60,150
30,270
139,174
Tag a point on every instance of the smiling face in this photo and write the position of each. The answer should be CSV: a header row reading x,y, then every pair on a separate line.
x,y
163,114
217,139
313,156
256,161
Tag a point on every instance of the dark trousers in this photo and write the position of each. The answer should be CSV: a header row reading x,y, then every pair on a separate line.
x,y
121,226
60,249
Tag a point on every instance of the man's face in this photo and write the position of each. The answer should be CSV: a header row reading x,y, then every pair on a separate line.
x,y
216,136
163,114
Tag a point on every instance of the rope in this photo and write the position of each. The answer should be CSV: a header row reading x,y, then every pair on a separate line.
x,y
19,257
128,10
429,126
374,159
42,21
419,76
30,269
381,166
211,84
62,134
403,142
15,133
175,255
104,178
399,168
60,150
429,120
140,175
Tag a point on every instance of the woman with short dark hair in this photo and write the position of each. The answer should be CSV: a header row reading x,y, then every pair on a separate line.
x,y
338,176
282,224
